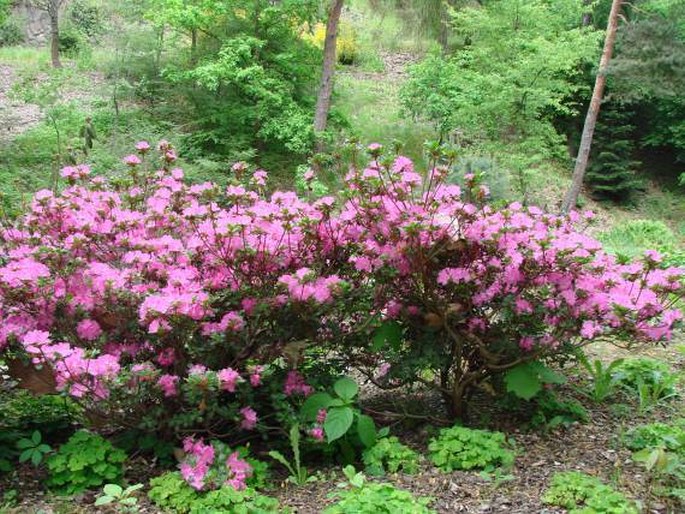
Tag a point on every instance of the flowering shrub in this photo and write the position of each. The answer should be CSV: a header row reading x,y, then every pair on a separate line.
x,y
211,466
148,296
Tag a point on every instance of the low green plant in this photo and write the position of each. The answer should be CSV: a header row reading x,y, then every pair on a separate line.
x,y
650,394
530,378
171,492
653,435
228,499
85,461
363,497
552,412
298,473
666,471
651,380
33,448
389,455
580,493
467,448
123,500
342,414
604,383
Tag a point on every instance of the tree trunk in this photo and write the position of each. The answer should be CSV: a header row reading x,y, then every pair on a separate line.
x,y
571,196
53,11
323,103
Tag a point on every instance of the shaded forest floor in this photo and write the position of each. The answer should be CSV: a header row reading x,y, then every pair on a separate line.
x,y
594,447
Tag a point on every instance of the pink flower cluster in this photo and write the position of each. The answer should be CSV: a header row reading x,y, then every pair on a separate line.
x,y
100,280
204,468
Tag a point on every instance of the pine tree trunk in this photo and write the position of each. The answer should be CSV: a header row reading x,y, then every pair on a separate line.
x,y
53,11
571,196
323,103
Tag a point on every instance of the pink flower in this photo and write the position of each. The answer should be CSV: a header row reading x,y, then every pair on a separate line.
x,y
316,433
88,330
321,416
249,420
168,384
132,160
239,471
295,384
228,379
143,147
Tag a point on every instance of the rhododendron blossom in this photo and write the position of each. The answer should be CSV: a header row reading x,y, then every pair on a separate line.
x,y
161,294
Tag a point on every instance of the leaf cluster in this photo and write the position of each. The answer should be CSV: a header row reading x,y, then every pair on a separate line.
x,y
365,497
466,448
85,461
389,455
580,493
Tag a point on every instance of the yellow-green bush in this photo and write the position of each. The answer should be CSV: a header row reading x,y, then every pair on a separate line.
x,y
346,47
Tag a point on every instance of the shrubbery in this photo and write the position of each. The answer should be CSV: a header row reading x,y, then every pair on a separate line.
x,y
179,306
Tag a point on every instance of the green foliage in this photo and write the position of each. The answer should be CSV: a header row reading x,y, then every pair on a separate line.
x,y
252,85
24,412
512,72
630,239
604,383
86,17
552,412
227,499
580,493
33,448
85,461
364,497
122,499
298,473
170,492
341,413
466,448
612,170
653,435
528,379
650,379
389,455
10,31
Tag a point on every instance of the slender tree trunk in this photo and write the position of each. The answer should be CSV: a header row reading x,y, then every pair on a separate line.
x,y
571,196
323,103
53,11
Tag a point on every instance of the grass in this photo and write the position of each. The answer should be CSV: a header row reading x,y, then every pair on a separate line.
x,y
373,110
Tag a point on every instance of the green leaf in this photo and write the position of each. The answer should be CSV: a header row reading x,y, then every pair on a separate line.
x,y
389,333
523,381
278,456
22,444
366,428
338,422
314,404
26,455
44,448
349,472
36,458
35,437
129,501
346,388
547,375
132,488
104,500
113,490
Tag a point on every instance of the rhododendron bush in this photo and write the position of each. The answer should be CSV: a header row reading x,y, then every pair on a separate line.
x,y
194,307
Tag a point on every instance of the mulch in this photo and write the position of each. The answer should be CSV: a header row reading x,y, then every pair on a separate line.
x,y
593,447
